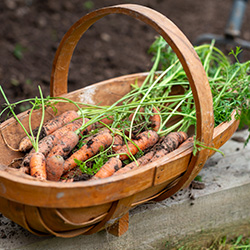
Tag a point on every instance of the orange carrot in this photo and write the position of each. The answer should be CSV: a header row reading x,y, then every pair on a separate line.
x,y
45,145
171,142
118,142
48,142
135,164
37,166
166,145
144,140
90,137
88,150
108,169
155,120
65,145
58,135
54,167
189,140
60,121
160,153
48,128
88,129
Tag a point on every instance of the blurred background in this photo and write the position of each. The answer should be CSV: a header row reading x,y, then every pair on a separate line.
x,y
31,30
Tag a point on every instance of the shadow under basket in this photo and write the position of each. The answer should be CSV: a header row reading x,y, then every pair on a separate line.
x,y
71,209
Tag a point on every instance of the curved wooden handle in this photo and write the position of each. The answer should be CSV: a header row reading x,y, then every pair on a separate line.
x,y
180,45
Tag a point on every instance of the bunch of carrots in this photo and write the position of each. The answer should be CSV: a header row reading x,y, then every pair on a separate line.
x,y
73,147
99,141
59,155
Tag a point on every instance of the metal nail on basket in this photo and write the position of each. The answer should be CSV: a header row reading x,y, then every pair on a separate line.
x,y
71,209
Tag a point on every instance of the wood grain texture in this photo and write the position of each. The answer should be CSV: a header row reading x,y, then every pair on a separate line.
x,y
121,226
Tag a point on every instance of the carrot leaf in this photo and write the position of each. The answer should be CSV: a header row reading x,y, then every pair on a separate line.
x,y
83,167
199,145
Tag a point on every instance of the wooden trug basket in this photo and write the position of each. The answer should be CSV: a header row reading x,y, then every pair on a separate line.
x,y
71,209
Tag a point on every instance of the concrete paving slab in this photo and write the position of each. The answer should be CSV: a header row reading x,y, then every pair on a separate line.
x,y
223,205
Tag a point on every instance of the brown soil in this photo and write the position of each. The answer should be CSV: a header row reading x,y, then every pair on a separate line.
x,y
117,45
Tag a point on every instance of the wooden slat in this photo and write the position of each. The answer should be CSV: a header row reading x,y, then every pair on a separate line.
x,y
173,164
223,132
121,226
76,194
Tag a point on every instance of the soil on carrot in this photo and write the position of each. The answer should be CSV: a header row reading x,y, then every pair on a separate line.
x,y
116,45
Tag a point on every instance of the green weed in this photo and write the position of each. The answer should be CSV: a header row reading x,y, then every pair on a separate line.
x,y
88,5
18,51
